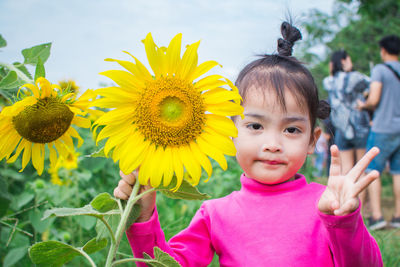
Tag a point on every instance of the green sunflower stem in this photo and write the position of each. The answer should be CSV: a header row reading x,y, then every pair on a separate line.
x,y
122,224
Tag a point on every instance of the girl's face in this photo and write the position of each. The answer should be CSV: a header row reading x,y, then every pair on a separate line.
x,y
273,144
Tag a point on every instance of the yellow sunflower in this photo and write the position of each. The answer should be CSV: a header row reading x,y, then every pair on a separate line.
x,y
170,120
69,163
43,116
69,85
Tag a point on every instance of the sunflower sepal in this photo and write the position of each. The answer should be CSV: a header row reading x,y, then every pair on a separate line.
x,y
185,191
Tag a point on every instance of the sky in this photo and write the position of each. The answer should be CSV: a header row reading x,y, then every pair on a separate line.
x,y
84,33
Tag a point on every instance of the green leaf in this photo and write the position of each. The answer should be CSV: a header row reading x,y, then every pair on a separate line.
x,y
32,55
161,259
101,229
98,154
52,253
11,81
86,210
3,42
39,72
94,245
104,202
23,69
86,222
22,199
185,191
14,255
38,224
5,197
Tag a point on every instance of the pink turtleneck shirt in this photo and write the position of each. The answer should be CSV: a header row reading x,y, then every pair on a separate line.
x,y
264,225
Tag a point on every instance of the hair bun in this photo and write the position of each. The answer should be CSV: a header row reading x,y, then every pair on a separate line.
x,y
324,109
290,35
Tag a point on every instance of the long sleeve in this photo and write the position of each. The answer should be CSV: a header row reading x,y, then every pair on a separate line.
x,y
350,242
191,247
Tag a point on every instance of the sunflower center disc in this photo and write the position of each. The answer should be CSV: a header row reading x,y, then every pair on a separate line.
x,y
171,108
171,112
43,122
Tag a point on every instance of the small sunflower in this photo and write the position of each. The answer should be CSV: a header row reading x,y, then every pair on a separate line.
x,y
69,85
69,163
45,115
167,122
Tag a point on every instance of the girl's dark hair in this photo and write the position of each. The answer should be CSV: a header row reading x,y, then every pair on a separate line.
x,y
336,60
283,71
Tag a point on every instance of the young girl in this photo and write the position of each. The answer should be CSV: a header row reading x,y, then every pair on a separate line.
x,y
277,218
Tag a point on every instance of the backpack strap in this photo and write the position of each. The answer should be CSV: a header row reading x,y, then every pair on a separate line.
x,y
393,70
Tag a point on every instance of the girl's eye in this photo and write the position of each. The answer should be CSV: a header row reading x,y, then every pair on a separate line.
x,y
292,130
254,126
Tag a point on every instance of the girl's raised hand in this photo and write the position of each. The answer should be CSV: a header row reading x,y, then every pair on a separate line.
x,y
341,194
124,190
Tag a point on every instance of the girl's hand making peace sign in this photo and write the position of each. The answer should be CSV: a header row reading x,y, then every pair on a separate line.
x,y
341,194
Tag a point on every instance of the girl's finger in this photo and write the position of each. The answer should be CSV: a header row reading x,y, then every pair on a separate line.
x,y
363,163
365,181
336,166
348,207
119,194
129,178
124,187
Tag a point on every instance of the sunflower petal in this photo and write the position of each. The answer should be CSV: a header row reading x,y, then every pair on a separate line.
x,y
81,122
38,157
140,71
178,167
53,154
74,133
218,95
152,55
203,68
201,158
189,62
19,106
132,68
35,91
123,78
156,173
45,87
167,165
132,152
18,151
116,116
221,124
26,157
174,53
190,163
223,143
116,139
145,168
213,152
210,82
226,108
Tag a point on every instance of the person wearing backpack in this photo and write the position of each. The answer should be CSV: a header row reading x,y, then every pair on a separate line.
x,y
345,87
384,100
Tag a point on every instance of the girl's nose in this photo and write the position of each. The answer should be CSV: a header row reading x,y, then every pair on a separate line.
x,y
271,144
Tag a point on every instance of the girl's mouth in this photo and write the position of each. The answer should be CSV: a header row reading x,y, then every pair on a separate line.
x,y
272,162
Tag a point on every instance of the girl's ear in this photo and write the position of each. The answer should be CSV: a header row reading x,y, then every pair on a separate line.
x,y
314,138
